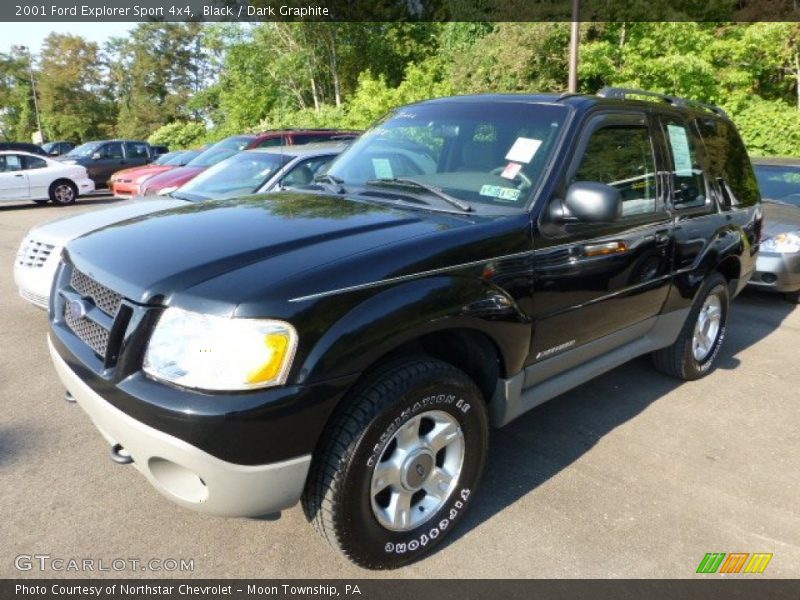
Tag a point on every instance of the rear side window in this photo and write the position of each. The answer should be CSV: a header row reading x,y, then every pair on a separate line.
x,y
622,157
728,161
31,162
689,182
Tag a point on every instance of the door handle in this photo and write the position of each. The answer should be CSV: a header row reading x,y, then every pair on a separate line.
x,y
19,175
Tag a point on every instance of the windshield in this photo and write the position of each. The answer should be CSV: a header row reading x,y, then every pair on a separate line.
x,y
478,152
49,146
165,159
220,151
86,149
240,174
779,183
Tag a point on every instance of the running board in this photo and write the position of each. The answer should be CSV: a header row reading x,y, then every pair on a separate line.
x,y
549,378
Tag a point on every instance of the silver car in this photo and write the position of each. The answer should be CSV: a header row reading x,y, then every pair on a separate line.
x,y
778,266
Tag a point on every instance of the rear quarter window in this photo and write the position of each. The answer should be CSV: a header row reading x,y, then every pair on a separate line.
x,y
727,159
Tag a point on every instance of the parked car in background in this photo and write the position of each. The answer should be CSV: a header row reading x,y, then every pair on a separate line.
x,y
260,170
57,148
778,266
169,182
265,170
103,158
126,183
159,150
23,147
26,176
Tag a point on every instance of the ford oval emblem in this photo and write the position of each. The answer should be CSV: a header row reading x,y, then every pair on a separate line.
x,y
77,309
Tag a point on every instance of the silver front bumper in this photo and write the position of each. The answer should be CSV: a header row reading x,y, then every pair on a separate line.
x,y
183,473
777,272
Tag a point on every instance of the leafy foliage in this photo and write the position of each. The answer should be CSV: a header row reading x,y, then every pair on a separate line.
x,y
188,82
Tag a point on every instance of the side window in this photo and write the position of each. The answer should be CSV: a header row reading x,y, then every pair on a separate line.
x,y
688,181
270,142
622,156
11,162
728,162
112,150
32,162
136,150
303,173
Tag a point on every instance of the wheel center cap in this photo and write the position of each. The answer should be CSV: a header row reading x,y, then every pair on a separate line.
x,y
416,469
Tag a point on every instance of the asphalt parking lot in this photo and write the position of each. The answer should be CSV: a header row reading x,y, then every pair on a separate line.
x,y
632,475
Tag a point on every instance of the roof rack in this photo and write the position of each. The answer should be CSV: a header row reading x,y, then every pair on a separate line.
x,y
623,93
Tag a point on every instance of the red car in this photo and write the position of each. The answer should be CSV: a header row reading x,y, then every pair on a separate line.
x,y
125,183
166,182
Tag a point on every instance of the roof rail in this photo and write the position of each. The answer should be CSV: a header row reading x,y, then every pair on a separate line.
x,y
623,93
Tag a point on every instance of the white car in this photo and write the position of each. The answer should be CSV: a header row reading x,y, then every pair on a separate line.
x,y
26,176
40,251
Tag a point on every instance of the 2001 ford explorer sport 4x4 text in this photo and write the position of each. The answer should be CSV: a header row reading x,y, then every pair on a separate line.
x,y
349,344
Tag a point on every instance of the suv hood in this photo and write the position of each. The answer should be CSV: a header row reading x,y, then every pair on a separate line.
x,y
264,239
62,230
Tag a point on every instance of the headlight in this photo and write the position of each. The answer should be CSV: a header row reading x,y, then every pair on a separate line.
x,y
218,353
167,190
783,243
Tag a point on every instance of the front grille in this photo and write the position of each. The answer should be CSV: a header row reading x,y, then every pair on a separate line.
x,y
96,336
90,310
38,300
105,299
34,254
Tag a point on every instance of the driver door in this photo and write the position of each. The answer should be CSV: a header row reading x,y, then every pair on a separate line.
x,y
600,282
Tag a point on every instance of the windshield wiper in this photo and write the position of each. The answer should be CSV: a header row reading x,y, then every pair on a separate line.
x,y
333,180
413,183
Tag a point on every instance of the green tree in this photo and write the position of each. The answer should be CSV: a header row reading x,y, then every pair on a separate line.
x,y
73,99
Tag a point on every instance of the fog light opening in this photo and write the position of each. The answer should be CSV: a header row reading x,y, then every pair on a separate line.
x,y
177,480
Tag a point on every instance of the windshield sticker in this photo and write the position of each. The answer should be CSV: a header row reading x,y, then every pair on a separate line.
x,y
500,192
523,150
511,170
383,168
680,150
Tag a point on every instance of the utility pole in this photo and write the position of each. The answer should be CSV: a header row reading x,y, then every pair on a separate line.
x,y
33,89
573,46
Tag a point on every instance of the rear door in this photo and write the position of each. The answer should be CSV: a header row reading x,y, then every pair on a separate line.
x,y
601,282
13,179
40,176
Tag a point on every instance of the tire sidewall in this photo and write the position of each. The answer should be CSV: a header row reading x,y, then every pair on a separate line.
x,y
58,184
701,368
364,535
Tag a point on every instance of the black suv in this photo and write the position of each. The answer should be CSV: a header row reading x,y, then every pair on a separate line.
x,y
349,344
104,158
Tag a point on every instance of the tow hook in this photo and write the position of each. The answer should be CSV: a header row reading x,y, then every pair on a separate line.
x,y
69,397
120,456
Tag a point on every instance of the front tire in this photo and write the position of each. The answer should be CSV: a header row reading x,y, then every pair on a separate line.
x,y
399,464
694,353
63,192
793,297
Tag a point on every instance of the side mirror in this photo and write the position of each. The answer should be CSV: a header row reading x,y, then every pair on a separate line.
x,y
53,153
97,156
593,202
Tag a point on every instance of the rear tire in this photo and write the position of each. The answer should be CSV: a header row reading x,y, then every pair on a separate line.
x,y
694,353
399,463
793,297
63,192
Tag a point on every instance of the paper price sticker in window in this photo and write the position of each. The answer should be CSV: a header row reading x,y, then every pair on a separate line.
x,y
523,150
